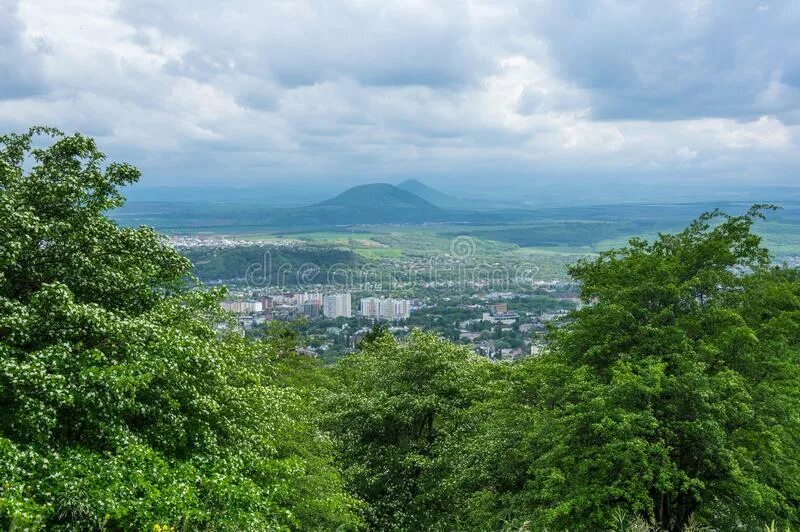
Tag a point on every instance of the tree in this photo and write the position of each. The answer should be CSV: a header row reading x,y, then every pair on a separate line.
x,y
124,404
676,391
392,409
379,330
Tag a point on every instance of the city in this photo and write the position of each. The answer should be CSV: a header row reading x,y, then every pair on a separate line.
x,y
498,325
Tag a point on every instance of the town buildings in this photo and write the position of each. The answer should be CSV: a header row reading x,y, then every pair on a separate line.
x,y
243,307
385,308
337,306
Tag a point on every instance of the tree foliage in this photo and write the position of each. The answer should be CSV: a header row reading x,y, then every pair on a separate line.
x,y
391,413
123,404
670,400
672,396
679,391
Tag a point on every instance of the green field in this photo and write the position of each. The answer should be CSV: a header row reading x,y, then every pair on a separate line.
x,y
544,240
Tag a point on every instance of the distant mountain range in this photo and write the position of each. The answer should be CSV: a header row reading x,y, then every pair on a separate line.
x,y
381,203
411,202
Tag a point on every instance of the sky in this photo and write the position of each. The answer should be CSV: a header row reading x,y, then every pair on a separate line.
x,y
455,93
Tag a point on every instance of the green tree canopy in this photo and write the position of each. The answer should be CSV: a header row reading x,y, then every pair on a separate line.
x,y
676,391
128,400
672,397
124,404
391,411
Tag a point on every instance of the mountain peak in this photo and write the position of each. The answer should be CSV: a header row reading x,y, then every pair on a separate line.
x,y
412,183
430,194
379,195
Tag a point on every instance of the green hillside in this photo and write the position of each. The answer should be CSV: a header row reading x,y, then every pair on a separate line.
x,y
267,266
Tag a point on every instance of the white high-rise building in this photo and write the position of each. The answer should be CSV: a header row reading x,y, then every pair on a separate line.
x,y
383,308
400,309
308,297
243,307
370,307
337,305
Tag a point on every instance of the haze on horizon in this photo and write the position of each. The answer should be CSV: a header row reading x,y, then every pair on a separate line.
x,y
450,92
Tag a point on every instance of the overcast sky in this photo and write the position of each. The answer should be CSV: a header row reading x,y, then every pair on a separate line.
x,y
202,91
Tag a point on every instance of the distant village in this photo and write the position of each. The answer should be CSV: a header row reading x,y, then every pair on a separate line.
x,y
222,242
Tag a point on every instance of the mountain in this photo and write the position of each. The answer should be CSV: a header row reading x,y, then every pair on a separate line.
x,y
436,197
418,188
378,203
378,195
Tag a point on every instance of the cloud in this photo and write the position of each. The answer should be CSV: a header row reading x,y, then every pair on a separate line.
x,y
306,42
675,60
685,153
456,89
19,65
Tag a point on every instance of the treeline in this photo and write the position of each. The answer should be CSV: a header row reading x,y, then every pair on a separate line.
x,y
127,402
670,403
267,266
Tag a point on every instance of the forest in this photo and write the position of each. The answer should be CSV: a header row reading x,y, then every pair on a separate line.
x,y
129,401
272,266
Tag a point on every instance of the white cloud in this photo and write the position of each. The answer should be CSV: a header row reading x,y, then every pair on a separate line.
x,y
685,153
359,90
